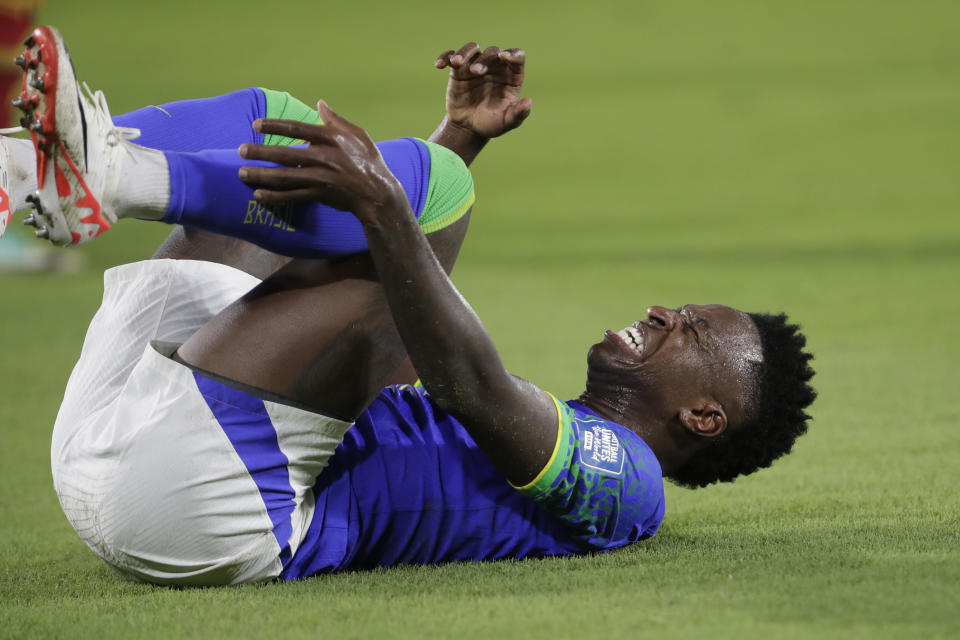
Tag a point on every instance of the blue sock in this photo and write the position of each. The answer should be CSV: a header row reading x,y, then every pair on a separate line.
x,y
206,193
222,122
200,139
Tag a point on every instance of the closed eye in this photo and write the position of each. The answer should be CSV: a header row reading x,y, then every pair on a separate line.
x,y
701,327
690,321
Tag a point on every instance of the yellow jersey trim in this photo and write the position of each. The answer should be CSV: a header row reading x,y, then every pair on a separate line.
x,y
556,448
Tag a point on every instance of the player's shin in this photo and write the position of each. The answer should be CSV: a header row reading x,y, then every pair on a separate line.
x,y
207,194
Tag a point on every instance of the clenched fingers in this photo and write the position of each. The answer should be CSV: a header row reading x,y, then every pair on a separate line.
x,y
490,56
443,60
514,56
465,55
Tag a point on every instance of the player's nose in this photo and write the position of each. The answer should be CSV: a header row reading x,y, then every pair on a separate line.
x,y
666,318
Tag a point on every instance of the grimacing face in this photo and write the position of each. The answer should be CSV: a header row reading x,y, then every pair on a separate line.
x,y
676,359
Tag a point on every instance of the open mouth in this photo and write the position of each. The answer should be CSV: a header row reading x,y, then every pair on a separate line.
x,y
631,337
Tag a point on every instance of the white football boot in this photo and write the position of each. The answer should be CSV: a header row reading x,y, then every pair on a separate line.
x,y
79,150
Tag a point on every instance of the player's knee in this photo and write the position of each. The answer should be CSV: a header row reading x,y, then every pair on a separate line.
x,y
450,191
280,105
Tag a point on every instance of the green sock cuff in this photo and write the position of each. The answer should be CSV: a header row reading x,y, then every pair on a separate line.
x,y
450,192
282,106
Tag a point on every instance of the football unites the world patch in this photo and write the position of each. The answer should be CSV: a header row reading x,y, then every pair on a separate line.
x,y
600,448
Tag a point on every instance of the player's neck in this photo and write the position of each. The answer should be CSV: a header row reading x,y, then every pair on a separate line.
x,y
654,433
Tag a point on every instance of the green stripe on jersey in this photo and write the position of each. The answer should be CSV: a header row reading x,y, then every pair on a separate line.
x,y
282,106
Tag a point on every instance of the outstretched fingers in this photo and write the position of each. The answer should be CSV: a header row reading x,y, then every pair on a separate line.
x,y
274,185
312,133
340,166
317,137
287,178
269,197
281,154
331,117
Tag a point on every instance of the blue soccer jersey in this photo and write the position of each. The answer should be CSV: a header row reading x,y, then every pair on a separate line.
x,y
409,485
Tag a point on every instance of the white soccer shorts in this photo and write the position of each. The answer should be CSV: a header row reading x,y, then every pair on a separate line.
x,y
167,476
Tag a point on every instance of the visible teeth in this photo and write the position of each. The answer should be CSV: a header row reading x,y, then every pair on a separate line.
x,y
633,337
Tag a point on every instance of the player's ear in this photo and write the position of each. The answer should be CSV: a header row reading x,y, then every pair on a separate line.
x,y
706,419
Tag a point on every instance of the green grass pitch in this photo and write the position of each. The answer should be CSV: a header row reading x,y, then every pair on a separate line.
x,y
798,156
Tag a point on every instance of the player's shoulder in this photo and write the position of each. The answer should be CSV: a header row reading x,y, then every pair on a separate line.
x,y
606,446
602,480
596,450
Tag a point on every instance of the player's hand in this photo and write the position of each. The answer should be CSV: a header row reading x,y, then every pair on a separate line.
x,y
340,166
483,93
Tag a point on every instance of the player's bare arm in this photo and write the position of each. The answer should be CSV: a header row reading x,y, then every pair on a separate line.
x,y
299,365
512,421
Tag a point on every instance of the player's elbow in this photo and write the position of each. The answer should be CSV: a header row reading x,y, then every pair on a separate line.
x,y
469,398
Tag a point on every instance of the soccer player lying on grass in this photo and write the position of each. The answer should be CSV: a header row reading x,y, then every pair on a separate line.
x,y
218,429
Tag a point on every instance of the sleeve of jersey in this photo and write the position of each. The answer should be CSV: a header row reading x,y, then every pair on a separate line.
x,y
602,481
